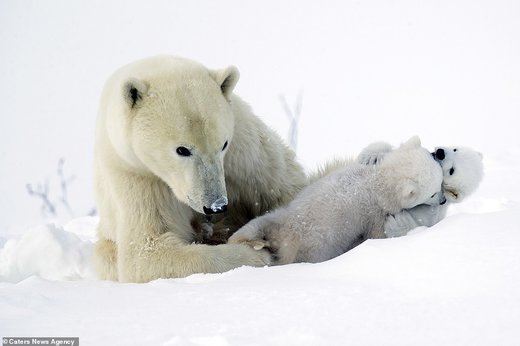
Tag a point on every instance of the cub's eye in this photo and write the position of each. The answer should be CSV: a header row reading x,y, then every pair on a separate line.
x,y
454,149
183,151
452,170
225,146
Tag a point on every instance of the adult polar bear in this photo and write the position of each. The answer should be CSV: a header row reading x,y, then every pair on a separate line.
x,y
173,143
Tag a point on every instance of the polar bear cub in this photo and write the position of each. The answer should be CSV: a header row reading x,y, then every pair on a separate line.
x,y
462,173
345,207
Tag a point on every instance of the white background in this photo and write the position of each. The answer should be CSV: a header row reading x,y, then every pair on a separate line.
x,y
447,71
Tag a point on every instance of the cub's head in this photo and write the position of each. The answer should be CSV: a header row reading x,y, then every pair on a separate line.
x,y
173,119
413,176
462,169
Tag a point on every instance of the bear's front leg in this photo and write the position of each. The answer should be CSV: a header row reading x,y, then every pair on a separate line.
x,y
422,215
166,256
399,224
104,259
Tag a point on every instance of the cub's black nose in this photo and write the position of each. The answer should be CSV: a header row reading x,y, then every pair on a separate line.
x,y
215,210
439,154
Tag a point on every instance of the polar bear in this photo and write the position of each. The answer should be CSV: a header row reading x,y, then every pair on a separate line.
x,y
462,173
176,147
345,207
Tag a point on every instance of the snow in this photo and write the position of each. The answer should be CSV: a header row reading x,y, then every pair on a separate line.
x,y
447,71
50,251
452,284
456,283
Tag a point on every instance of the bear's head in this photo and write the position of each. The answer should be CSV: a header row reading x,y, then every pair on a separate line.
x,y
463,171
411,175
173,119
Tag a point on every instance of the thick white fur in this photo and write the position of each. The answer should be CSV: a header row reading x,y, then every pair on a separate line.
x,y
467,173
462,173
148,195
345,207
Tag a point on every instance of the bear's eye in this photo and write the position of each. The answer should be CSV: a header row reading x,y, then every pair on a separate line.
x,y
225,146
433,195
452,170
183,151
454,150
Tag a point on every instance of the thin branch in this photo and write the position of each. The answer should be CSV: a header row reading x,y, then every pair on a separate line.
x,y
286,107
42,192
294,117
51,206
64,182
298,105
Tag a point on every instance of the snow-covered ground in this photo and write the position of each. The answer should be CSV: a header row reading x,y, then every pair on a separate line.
x,y
457,283
372,70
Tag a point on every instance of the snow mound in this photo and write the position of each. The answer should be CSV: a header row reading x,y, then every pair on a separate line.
x,y
50,251
456,283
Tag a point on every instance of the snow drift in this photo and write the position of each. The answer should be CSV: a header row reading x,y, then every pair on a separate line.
x,y
455,283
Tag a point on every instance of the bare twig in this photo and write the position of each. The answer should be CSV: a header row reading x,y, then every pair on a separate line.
x,y
64,183
42,192
52,206
294,118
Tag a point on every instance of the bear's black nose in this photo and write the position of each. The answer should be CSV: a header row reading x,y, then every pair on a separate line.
x,y
439,154
217,210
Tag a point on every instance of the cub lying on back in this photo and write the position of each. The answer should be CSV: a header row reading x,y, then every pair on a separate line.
x,y
462,169
345,207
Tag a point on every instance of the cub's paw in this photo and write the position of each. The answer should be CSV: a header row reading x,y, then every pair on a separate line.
x,y
374,153
391,228
398,225
266,257
257,244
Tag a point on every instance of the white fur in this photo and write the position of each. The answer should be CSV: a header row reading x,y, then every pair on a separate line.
x,y
148,195
457,184
374,153
345,207
467,173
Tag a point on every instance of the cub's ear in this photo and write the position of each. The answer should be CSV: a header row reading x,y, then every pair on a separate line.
x,y
133,92
227,79
408,192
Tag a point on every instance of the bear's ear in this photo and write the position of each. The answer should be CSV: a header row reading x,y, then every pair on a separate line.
x,y
227,79
408,192
133,92
414,142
